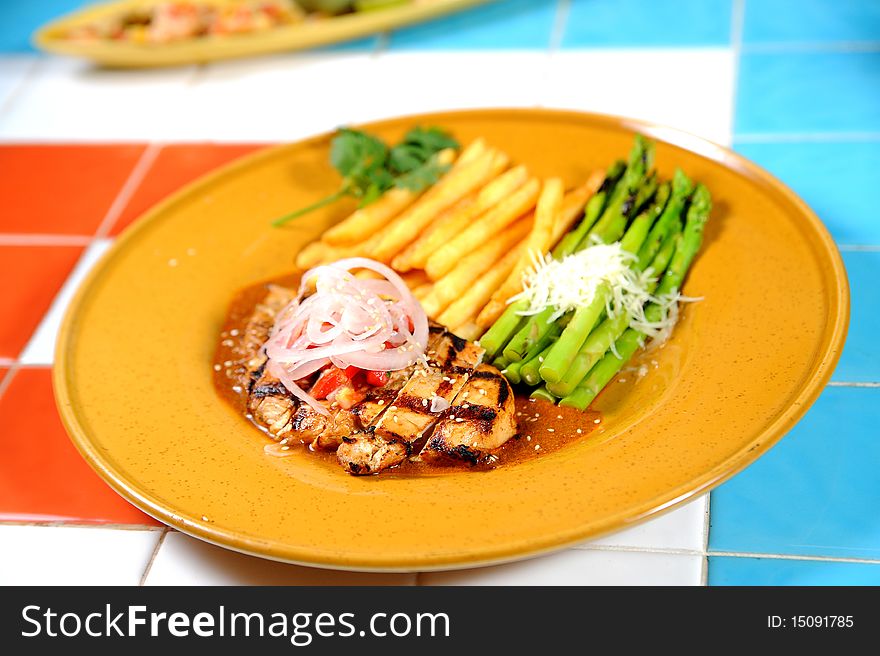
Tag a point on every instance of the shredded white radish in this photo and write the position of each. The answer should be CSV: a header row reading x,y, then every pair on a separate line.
x,y
575,280
372,324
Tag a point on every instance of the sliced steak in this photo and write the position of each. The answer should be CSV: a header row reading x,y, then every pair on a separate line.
x,y
482,418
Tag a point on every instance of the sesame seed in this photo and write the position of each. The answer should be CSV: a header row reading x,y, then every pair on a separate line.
x,y
622,380
482,391
236,388
394,418
234,332
172,262
204,518
425,403
227,363
285,440
596,421
285,448
519,414
452,416
551,430
392,407
466,406
540,358
459,419
217,367
537,447
537,414
381,402
579,431
559,416
531,400
528,438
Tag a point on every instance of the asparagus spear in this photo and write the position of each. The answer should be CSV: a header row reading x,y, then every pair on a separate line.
x,y
529,371
610,330
511,321
592,212
542,393
609,228
585,318
681,189
689,243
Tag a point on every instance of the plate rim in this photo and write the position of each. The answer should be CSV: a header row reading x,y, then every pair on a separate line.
x,y
832,342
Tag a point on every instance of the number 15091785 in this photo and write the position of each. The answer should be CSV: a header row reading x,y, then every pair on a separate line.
x,y
810,622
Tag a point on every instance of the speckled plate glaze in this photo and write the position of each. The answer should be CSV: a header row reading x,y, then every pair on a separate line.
x,y
300,36
133,372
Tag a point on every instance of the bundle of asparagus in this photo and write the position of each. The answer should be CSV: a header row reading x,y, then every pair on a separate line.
x,y
571,358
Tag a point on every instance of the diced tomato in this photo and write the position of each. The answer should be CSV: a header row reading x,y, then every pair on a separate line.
x,y
346,396
352,371
330,380
377,378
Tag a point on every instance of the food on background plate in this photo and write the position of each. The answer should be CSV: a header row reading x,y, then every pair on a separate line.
x,y
376,357
161,22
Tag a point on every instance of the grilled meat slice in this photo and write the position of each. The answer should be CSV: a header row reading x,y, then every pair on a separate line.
x,y
366,453
324,432
258,328
272,406
405,421
482,418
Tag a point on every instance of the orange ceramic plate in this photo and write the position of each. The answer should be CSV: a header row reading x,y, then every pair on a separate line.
x,y
133,373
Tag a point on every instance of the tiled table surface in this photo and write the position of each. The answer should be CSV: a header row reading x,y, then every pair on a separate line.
x,y
792,84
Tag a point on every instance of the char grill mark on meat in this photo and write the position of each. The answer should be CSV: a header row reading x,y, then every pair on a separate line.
x,y
482,418
409,418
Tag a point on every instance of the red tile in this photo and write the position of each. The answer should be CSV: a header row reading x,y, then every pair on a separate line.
x,y
32,276
67,189
42,476
174,166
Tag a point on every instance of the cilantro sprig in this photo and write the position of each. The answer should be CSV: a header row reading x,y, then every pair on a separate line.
x,y
369,167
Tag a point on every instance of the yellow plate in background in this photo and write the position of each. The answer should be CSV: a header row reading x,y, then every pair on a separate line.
x,y
133,366
292,37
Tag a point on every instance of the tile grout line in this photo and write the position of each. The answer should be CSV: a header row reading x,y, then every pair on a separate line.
x,y
87,525
829,559
32,70
809,137
835,383
149,566
737,21
704,574
779,47
6,381
137,175
563,8
37,239
671,551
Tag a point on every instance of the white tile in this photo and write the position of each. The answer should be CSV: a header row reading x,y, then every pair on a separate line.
x,y
690,89
14,69
41,347
53,555
680,529
580,567
69,100
183,560
413,82
279,98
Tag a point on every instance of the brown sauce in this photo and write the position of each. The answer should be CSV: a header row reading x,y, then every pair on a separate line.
x,y
542,426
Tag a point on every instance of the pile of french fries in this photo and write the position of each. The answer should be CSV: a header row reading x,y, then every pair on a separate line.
x,y
463,244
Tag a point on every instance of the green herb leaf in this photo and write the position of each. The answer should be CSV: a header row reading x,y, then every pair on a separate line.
x,y
369,167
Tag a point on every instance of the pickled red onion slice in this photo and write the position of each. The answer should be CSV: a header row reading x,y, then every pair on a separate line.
x,y
374,324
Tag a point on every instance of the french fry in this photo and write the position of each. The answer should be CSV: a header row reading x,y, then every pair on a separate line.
x,y
415,278
454,186
456,282
422,290
431,304
312,254
573,205
469,330
539,239
571,210
484,229
448,222
367,220
449,226
465,307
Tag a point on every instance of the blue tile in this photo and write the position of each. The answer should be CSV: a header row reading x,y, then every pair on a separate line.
x,y
816,493
860,362
775,571
808,92
18,20
505,24
648,23
836,179
777,21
